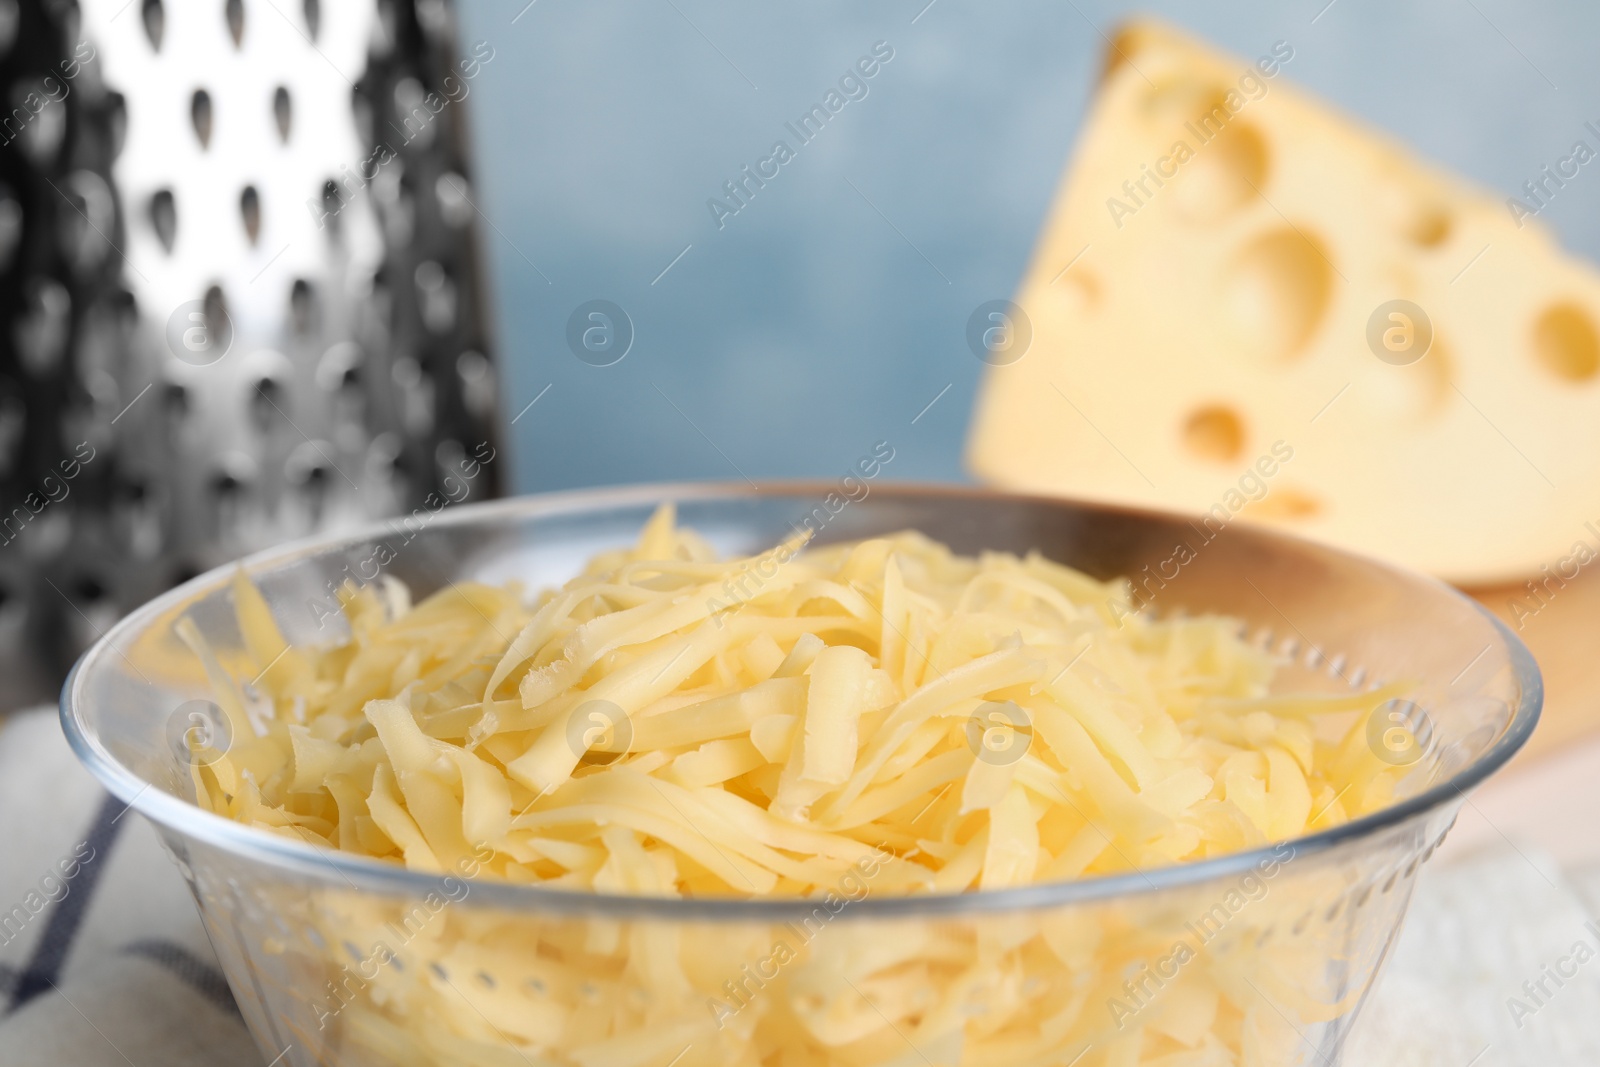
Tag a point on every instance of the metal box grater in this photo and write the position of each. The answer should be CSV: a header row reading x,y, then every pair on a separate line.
x,y
242,299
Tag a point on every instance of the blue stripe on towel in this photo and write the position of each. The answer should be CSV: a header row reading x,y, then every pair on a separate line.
x,y
55,943
193,971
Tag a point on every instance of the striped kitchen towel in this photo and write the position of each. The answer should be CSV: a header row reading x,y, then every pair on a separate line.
x,y
103,961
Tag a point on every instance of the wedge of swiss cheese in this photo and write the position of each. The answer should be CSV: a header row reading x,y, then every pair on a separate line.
x,y
1214,330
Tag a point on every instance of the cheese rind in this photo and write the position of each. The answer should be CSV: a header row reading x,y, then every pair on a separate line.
x,y
1238,255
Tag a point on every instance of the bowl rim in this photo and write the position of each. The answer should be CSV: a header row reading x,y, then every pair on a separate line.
x,y
368,874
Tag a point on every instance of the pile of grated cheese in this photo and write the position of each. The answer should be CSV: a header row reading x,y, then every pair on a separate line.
x,y
671,724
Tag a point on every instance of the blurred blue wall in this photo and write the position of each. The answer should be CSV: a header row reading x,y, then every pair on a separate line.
x,y
832,308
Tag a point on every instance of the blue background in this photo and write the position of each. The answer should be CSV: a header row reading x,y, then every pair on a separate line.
x,y
832,309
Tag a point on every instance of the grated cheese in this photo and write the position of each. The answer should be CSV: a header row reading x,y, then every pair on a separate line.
x,y
670,725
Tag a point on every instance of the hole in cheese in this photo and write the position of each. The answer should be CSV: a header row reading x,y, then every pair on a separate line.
x,y
1225,175
1076,292
1404,393
1214,432
1276,291
1428,225
1565,343
1418,209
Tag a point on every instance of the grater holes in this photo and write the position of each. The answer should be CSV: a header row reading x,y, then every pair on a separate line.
x,y
132,492
267,391
10,225
309,474
397,208
82,233
282,112
449,457
13,425
340,368
332,204
437,293
214,306
200,116
89,590
455,206
232,479
386,30
414,118
94,607
313,14
303,310
387,465
116,123
175,399
164,218
41,335
250,212
155,22
434,18
308,469
414,395
40,139
233,12
477,383
361,111
266,397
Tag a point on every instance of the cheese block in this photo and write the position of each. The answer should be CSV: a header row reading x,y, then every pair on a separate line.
x,y
1249,305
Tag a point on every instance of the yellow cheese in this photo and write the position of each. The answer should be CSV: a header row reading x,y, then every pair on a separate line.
x,y
772,779
1210,301
882,718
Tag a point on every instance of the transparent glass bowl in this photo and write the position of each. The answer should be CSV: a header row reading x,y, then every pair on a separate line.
x,y
1256,958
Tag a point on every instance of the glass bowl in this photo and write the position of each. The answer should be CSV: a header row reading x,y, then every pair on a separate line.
x,y
1259,958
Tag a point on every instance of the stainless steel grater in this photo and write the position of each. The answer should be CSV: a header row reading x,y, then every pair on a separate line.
x,y
242,298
